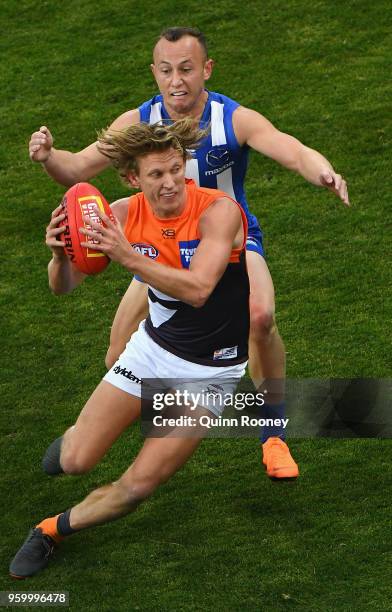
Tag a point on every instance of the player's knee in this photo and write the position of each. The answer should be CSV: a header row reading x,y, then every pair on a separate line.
x,y
262,322
75,462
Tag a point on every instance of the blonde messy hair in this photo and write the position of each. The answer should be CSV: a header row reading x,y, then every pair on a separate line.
x,y
125,147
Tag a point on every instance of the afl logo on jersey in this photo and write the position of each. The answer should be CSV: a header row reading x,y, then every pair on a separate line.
x,y
145,249
218,156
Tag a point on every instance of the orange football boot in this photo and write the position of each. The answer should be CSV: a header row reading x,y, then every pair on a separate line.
x,y
278,461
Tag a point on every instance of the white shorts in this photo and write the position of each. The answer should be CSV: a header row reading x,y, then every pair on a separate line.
x,y
145,362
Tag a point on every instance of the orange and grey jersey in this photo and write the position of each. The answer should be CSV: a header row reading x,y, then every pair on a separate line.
x,y
217,333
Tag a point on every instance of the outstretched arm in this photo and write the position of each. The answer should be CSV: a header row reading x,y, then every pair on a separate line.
x,y
257,132
219,226
69,168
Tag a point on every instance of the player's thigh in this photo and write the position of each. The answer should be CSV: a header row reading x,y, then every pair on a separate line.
x,y
107,413
262,293
158,460
132,309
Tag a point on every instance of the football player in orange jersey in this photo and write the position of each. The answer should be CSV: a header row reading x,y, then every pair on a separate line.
x,y
196,333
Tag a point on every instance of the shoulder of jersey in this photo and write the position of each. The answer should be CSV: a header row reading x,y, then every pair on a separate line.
x,y
208,192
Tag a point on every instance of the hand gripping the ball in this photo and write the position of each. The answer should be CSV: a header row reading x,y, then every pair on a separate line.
x,y
53,231
109,238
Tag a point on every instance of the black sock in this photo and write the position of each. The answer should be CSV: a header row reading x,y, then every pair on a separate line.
x,y
63,526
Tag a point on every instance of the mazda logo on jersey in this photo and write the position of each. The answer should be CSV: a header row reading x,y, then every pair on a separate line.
x,y
145,249
218,156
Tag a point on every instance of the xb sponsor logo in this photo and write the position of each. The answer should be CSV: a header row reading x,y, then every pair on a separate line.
x,y
168,233
145,249
218,156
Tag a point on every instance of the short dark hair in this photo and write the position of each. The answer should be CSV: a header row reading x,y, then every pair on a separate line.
x,y
176,33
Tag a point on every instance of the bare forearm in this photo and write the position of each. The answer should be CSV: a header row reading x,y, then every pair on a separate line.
x,y
69,168
258,133
311,165
183,285
62,167
62,276
218,229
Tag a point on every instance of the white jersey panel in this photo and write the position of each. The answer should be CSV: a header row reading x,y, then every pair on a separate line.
x,y
224,182
158,313
156,113
218,135
192,170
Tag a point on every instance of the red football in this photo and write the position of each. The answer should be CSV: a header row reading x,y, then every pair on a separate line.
x,y
81,200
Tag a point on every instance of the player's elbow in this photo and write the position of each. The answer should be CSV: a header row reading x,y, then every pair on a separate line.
x,y
200,295
197,301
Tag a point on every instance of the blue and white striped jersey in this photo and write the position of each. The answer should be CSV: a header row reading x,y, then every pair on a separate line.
x,y
220,162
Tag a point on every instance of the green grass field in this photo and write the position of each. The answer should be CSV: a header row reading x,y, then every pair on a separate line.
x,y
220,535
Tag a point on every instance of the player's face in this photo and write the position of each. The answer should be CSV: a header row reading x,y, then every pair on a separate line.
x,y
161,177
180,69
